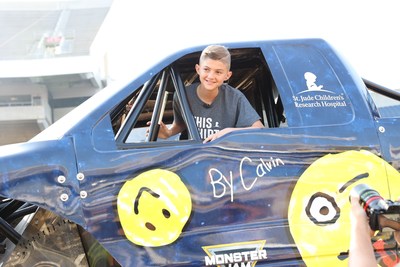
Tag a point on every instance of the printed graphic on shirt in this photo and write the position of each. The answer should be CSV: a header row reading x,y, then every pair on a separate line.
x,y
206,126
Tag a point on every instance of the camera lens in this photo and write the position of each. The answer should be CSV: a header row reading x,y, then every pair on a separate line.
x,y
370,199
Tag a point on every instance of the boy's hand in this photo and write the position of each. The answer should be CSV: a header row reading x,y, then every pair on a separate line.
x,y
163,131
218,135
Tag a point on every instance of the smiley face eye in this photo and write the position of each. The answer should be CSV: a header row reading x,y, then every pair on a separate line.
x,y
322,209
166,213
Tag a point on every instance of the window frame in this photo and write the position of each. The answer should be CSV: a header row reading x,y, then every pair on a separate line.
x,y
146,91
266,96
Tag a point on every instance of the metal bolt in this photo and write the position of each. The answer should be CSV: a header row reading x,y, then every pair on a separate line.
x,y
61,179
64,197
83,194
382,129
80,176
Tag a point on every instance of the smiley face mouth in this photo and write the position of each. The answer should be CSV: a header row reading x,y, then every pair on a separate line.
x,y
150,226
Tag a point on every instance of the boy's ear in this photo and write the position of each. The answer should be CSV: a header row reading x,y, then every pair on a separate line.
x,y
228,75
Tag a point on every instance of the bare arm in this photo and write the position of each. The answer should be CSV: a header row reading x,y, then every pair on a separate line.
x,y
256,124
166,132
361,252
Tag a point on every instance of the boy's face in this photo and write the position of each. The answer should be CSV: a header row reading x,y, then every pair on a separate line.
x,y
212,73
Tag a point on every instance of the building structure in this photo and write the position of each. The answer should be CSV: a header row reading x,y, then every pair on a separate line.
x,y
49,62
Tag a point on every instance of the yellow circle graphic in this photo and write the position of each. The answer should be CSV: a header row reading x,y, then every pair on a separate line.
x,y
154,207
319,207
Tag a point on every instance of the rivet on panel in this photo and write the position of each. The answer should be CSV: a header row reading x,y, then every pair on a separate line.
x,y
64,197
61,179
80,176
83,194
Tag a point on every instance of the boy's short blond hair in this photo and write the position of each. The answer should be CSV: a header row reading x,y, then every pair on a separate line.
x,y
216,52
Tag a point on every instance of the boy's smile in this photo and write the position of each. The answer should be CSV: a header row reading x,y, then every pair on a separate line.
x,y
212,73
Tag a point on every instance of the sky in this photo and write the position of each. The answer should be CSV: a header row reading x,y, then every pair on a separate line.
x,y
364,32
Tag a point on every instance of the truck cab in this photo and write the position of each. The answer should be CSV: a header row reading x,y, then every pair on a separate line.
x,y
275,196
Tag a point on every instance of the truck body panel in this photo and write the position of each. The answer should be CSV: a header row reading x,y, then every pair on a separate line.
x,y
240,200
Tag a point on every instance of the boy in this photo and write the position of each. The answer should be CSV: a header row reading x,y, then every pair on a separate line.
x,y
217,107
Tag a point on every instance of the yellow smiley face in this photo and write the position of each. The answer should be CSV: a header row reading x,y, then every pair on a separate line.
x,y
319,207
154,207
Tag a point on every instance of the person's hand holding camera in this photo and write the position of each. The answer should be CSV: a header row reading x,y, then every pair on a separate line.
x,y
361,251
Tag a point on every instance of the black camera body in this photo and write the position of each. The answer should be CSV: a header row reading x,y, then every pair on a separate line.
x,y
375,207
